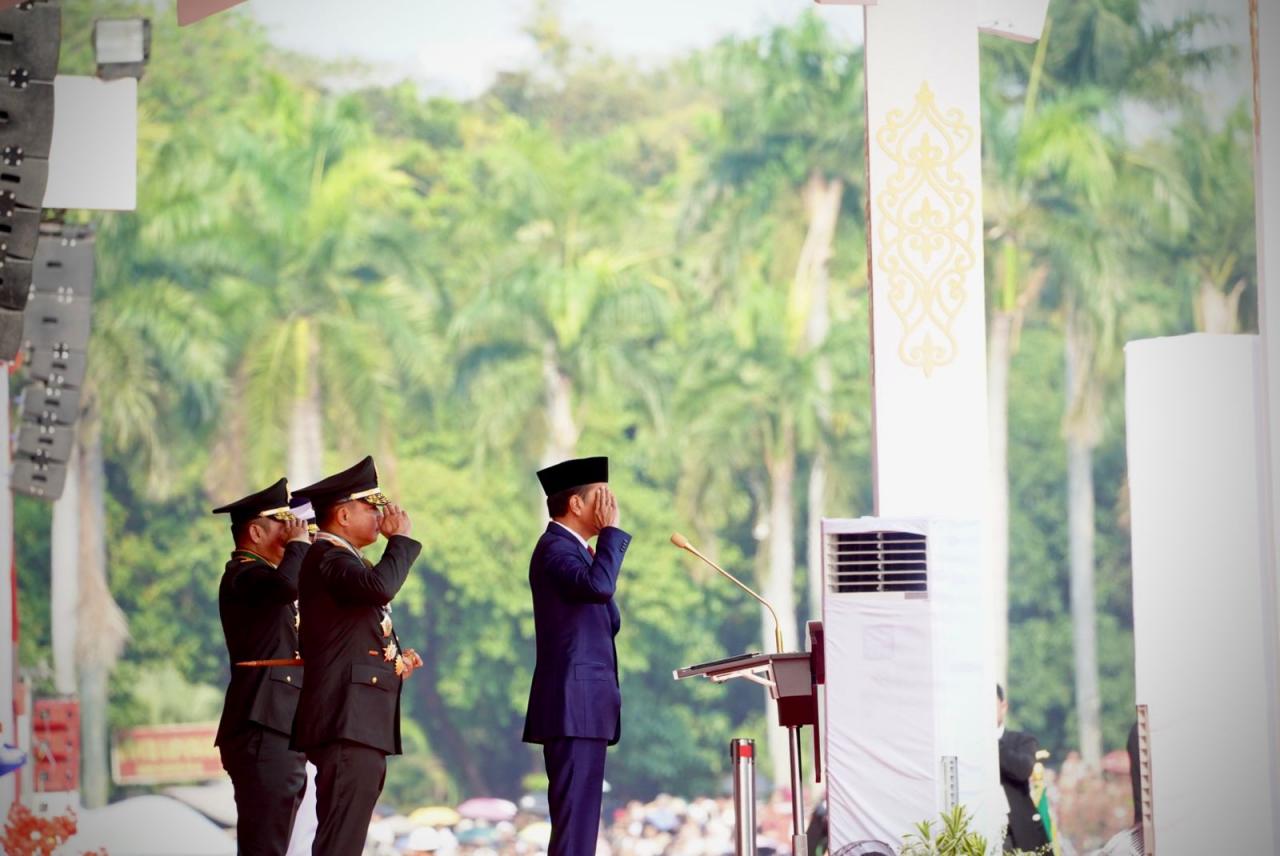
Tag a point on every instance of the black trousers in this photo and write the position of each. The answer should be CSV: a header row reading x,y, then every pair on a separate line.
x,y
349,779
575,780
269,780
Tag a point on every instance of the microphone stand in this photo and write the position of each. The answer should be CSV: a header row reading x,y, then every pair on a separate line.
x,y
799,839
683,543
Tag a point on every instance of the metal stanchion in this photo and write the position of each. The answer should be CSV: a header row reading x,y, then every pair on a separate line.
x,y
799,841
743,754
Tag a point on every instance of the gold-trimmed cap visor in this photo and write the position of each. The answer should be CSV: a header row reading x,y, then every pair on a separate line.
x,y
265,503
284,514
374,497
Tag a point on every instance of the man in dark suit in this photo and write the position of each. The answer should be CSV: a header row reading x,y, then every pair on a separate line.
x,y
1017,761
256,605
348,718
575,701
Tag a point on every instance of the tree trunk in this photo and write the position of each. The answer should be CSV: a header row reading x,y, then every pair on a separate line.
x,y
64,565
562,431
822,199
101,626
1081,440
227,472
1218,311
778,588
817,499
999,356
1015,296
306,424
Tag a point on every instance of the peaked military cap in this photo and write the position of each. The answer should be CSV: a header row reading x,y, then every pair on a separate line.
x,y
270,502
357,482
573,473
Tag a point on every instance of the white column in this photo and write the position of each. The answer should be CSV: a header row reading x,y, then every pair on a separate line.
x,y
925,237
1202,630
8,656
929,382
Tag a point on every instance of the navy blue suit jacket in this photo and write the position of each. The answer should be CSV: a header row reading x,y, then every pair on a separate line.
x,y
575,691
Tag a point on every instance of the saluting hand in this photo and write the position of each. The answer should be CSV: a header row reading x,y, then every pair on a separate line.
x,y
395,521
296,530
606,508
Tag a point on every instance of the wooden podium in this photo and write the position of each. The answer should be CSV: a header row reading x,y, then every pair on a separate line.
x,y
792,679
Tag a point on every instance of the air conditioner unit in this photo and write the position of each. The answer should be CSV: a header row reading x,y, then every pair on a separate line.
x,y
910,698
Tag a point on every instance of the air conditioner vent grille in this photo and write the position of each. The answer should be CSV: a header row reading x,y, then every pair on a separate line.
x,y
885,561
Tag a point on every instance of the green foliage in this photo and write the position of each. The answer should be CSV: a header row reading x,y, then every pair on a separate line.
x,y
952,838
426,268
157,694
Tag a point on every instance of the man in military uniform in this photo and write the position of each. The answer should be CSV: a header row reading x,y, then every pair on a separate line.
x,y
348,718
575,701
259,620
1026,829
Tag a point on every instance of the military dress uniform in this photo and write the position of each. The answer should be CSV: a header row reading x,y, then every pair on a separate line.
x,y
1017,762
348,717
575,699
259,622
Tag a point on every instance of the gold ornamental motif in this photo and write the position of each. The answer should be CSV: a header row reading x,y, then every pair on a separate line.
x,y
927,227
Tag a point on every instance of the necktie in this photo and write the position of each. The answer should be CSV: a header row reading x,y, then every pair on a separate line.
x,y
591,550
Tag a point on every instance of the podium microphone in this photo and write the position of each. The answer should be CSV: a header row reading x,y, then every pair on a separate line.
x,y
683,543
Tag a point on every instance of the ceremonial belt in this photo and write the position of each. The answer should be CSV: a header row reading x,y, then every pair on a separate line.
x,y
279,661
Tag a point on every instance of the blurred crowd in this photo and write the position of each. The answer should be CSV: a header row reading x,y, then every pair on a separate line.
x,y
664,826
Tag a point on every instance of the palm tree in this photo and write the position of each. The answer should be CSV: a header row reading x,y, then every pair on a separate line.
x,y
746,405
785,149
156,357
1094,59
318,274
792,124
155,362
566,296
1201,179
1036,158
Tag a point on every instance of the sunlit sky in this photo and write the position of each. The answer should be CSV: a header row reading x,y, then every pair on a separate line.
x,y
455,47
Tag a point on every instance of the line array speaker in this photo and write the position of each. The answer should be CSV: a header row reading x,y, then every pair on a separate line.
x,y
30,41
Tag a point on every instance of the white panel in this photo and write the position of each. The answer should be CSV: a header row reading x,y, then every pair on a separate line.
x,y
925,230
1204,640
93,161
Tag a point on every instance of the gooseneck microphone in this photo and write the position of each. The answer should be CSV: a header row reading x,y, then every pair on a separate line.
x,y
683,543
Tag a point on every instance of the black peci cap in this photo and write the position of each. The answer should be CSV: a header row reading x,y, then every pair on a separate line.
x,y
573,473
